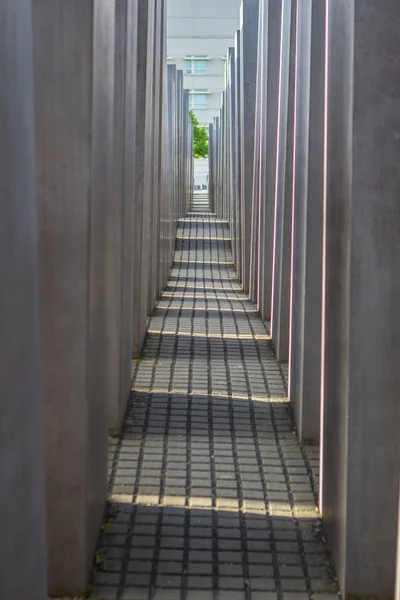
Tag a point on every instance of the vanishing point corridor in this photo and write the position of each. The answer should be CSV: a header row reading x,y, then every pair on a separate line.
x,y
199,323
211,495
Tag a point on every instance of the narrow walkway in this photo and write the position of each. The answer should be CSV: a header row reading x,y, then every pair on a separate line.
x,y
211,495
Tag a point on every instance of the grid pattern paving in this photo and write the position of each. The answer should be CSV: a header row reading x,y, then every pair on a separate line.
x,y
211,495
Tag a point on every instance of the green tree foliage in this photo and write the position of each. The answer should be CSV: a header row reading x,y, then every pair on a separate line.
x,y
200,138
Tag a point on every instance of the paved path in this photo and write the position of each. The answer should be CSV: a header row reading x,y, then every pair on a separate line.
x,y
211,495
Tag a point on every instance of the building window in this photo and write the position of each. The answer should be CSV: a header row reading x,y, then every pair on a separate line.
x,y
196,65
198,99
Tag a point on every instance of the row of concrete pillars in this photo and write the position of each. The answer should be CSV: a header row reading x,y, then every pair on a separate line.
x,y
95,170
305,165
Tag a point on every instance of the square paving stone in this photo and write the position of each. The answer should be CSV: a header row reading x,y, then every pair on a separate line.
x,y
231,595
199,568
200,582
129,593
199,595
230,583
168,581
137,579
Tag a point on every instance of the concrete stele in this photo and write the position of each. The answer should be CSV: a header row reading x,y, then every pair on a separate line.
x,y
284,183
305,379
142,170
74,87
237,159
307,422
268,150
122,225
361,377
22,506
248,69
256,179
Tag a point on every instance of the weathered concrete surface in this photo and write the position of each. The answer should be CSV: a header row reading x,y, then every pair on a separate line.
x,y
129,223
222,170
305,387
217,129
121,226
248,68
156,141
306,409
211,165
74,86
270,55
232,165
186,151
237,159
165,167
284,191
362,294
145,55
180,134
171,149
164,164
219,207
22,505
299,204
254,282
225,145
254,229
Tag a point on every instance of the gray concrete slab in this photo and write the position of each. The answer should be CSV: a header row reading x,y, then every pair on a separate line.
x,y
163,269
361,376
254,230
22,504
249,37
259,200
237,158
148,180
221,157
305,385
157,91
300,211
227,171
216,162
217,122
218,208
284,191
191,183
165,170
172,141
184,149
121,225
211,162
188,150
142,170
129,223
180,134
270,70
166,192
232,157
74,87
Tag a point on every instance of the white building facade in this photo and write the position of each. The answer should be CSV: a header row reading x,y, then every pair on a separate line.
x,y
199,34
